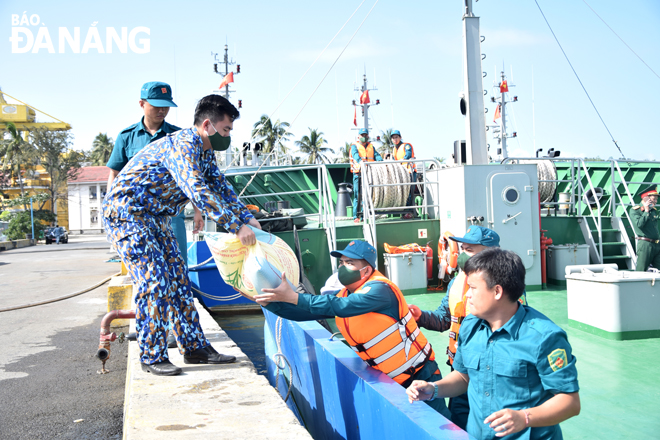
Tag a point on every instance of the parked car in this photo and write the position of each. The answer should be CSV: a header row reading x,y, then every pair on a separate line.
x,y
56,235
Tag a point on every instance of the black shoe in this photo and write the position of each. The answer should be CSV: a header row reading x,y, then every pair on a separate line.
x,y
171,340
164,368
207,355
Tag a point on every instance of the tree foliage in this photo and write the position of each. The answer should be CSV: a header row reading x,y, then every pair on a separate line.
x,y
312,147
101,149
20,223
17,156
386,144
344,153
58,159
273,135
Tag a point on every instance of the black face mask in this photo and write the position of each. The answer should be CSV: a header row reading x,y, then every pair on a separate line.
x,y
462,259
349,276
219,142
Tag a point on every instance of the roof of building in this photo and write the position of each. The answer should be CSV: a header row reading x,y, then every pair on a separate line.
x,y
91,174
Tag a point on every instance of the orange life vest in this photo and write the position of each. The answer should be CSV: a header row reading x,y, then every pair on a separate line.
x,y
366,154
397,348
400,153
459,309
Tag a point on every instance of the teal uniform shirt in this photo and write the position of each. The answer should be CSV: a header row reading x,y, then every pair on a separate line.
x,y
132,139
379,299
519,366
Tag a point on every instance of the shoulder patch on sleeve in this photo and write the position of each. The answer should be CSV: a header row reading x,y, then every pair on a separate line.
x,y
636,207
557,359
364,289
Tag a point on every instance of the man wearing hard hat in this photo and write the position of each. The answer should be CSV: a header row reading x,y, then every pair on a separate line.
x,y
361,151
405,151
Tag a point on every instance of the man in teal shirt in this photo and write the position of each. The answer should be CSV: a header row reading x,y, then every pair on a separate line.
x,y
155,101
515,364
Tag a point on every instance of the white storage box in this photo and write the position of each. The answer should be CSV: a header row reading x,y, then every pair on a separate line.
x,y
560,256
614,304
407,271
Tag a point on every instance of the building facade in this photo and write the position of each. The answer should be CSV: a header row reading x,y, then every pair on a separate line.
x,y
86,193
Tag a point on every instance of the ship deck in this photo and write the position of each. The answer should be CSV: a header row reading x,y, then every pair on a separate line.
x,y
619,380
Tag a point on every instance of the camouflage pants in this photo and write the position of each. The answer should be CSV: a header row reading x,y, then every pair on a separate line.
x,y
150,252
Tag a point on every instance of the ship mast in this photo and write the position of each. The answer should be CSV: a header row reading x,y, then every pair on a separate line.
x,y
227,62
365,104
502,136
473,92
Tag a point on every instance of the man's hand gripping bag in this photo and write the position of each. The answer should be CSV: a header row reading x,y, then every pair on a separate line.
x,y
248,269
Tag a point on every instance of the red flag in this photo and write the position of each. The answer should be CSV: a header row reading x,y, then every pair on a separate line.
x,y
497,113
504,87
227,79
364,98
355,116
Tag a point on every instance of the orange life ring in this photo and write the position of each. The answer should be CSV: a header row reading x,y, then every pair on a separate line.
x,y
447,255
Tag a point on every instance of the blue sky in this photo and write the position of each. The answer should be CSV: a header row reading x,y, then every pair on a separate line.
x,y
410,50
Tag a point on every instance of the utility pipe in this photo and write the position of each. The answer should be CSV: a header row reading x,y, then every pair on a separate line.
x,y
107,336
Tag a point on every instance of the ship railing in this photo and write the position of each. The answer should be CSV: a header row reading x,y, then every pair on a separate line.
x,y
367,189
326,210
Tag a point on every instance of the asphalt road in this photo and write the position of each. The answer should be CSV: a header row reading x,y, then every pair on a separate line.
x,y
49,386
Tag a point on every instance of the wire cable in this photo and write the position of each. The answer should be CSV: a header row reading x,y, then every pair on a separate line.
x,y
317,87
617,35
578,78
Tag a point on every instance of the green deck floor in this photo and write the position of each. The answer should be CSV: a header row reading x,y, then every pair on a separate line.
x,y
619,380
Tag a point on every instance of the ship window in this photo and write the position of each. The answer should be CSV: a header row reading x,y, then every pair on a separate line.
x,y
510,195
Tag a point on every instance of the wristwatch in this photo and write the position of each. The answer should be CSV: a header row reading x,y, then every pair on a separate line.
x,y
435,391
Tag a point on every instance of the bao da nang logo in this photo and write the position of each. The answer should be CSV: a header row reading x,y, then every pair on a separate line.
x,y
30,35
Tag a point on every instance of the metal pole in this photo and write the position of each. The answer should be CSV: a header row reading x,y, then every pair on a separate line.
x,y
32,218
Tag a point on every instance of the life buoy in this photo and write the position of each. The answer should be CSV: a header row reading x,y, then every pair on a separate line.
x,y
447,255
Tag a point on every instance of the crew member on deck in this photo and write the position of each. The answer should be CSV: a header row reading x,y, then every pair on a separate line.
x,y
371,312
155,101
403,151
454,308
362,150
515,364
644,219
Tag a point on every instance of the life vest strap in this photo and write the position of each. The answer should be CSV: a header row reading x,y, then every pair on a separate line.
x,y
452,335
360,348
413,363
397,348
457,319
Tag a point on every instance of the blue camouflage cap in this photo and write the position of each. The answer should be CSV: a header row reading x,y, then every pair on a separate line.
x,y
360,250
479,235
363,131
158,94
395,132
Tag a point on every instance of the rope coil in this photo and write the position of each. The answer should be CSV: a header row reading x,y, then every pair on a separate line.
x,y
384,174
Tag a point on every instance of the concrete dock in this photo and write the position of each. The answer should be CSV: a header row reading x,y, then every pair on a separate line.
x,y
48,371
207,401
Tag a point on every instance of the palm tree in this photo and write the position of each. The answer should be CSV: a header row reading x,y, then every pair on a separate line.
x,y
272,134
312,145
386,144
345,152
101,149
16,154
